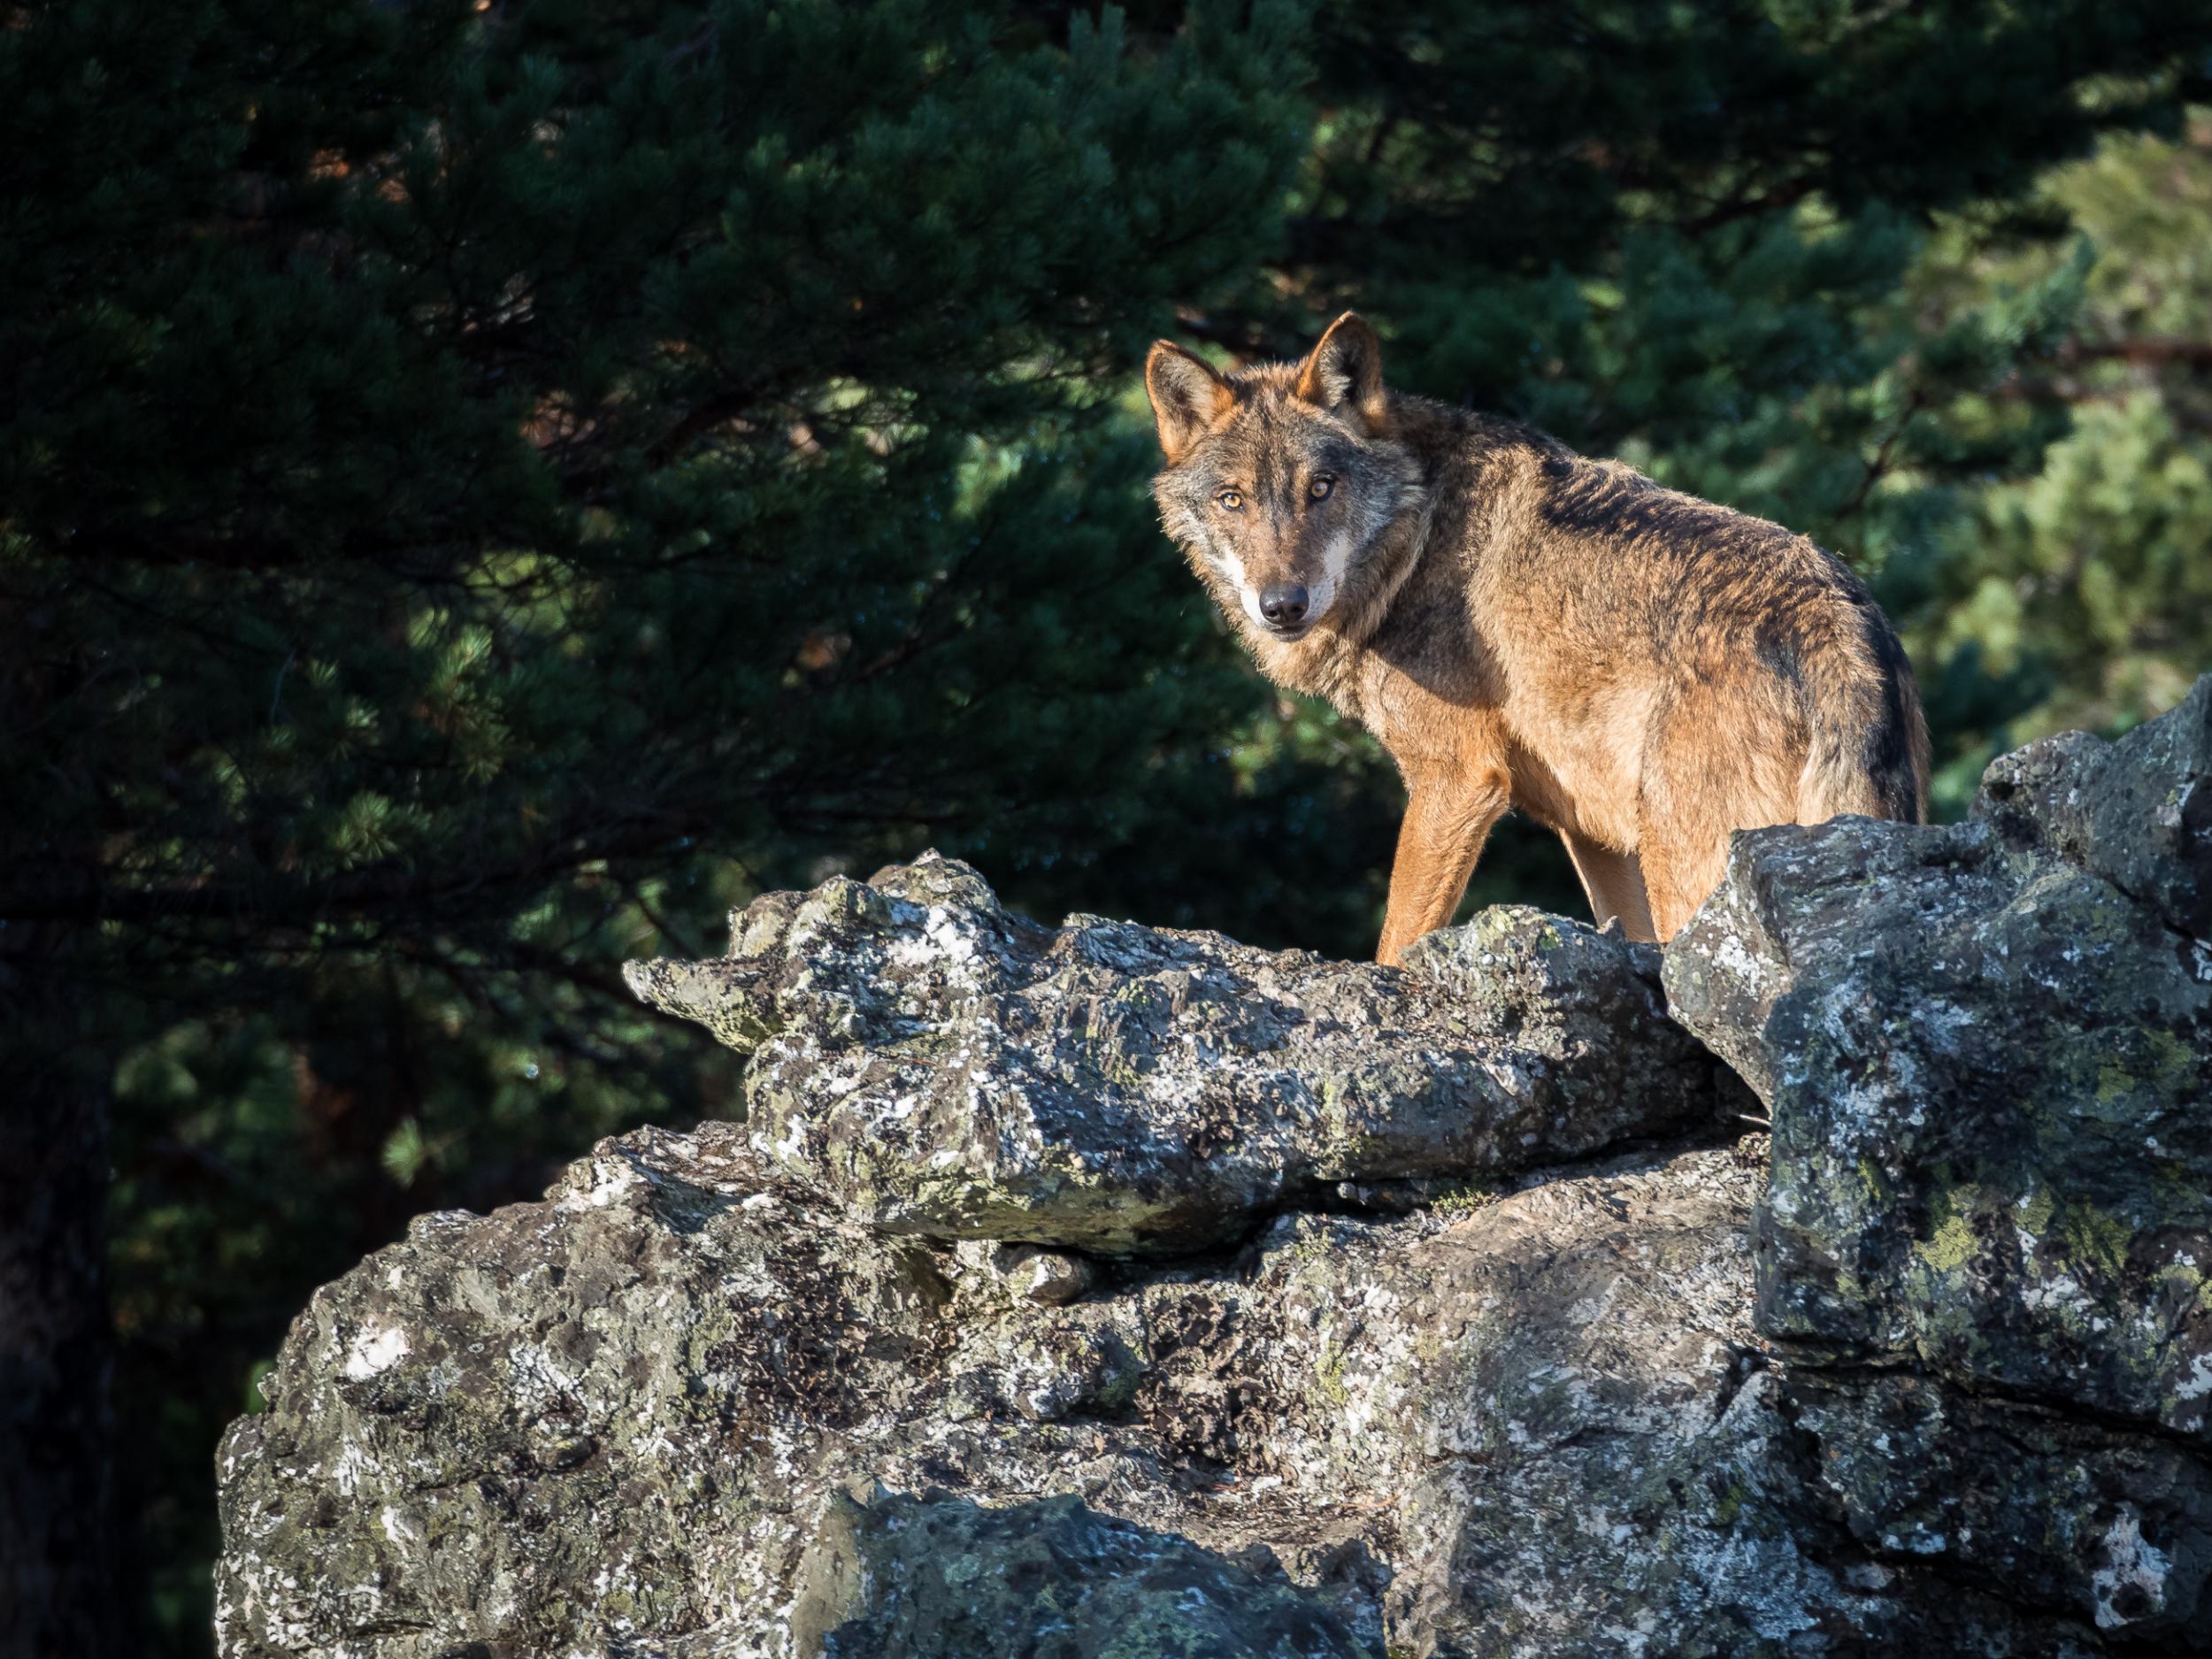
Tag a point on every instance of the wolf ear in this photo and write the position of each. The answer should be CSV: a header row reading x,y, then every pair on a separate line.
x,y
1343,374
1187,397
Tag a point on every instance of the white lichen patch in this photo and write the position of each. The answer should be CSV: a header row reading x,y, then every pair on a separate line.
x,y
375,1350
2130,1564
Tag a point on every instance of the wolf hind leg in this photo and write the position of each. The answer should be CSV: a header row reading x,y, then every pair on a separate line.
x,y
1614,884
1714,762
1682,864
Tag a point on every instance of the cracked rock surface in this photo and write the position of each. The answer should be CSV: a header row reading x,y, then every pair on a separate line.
x,y
1987,1051
1105,1293
936,1065
630,1419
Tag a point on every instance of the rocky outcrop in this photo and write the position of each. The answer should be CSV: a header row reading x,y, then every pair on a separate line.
x,y
937,1065
1104,1292
1987,1051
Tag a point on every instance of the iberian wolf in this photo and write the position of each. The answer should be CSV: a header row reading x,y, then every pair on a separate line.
x,y
1519,625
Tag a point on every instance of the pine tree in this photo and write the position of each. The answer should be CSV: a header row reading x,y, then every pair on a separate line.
x,y
2080,596
474,474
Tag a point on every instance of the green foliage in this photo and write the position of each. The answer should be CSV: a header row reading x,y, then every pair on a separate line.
x,y
2078,595
486,488
483,491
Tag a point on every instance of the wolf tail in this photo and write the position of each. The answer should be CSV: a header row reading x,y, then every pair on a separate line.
x,y
1869,752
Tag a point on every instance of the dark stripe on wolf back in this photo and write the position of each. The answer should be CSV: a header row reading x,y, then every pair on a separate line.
x,y
1889,745
1780,646
1594,502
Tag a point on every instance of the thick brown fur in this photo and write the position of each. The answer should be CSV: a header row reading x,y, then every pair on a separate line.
x,y
1641,671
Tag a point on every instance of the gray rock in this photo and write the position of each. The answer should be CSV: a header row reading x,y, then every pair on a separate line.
x,y
627,1419
1049,1276
900,1575
937,1065
2066,1515
1118,1293
2137,813
1023,1270
1987,1053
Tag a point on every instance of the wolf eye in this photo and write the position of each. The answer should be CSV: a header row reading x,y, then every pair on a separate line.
x,y
1320,487
1230,499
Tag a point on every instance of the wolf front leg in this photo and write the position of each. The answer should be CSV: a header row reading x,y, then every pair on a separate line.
x,y
1448,816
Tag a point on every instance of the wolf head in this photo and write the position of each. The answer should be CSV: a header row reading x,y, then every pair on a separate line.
x,y
1281,479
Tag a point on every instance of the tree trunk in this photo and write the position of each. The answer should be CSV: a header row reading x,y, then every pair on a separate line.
x,y
58,1588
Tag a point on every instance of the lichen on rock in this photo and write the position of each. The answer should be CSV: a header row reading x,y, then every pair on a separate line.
x,y
1986,1048
1111,1293
938,1066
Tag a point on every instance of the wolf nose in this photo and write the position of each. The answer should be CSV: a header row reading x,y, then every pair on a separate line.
x,y
1284,604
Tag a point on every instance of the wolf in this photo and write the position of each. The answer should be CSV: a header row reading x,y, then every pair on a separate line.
x,y
1641,671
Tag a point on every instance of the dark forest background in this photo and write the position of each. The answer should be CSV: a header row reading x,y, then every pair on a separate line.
x,y
486,488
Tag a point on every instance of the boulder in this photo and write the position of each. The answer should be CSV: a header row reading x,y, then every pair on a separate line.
x,y
1986,1050
937,1065
631,1419
684,1407
1106,1292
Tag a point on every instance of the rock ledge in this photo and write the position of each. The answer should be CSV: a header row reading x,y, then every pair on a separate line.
x,y
1103,1293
